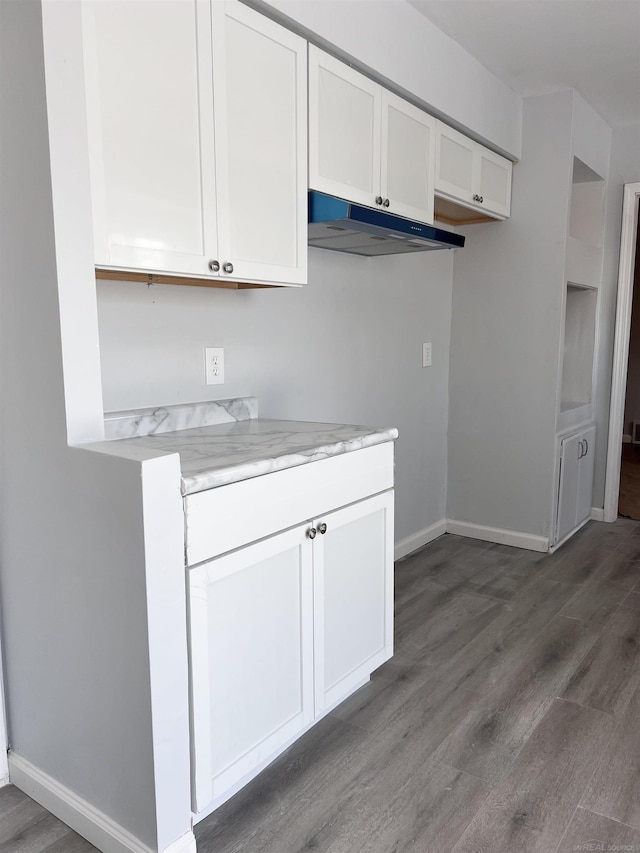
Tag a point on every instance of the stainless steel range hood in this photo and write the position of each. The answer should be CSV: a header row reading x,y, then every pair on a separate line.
x,y
346,227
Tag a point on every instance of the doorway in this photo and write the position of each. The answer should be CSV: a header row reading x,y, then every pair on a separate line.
x,y
626,275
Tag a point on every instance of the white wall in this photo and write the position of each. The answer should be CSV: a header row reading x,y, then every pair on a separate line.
x,y
345,349
398,44
75,598
507,300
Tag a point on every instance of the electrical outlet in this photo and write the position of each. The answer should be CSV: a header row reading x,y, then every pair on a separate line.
x,y
214,365
426,354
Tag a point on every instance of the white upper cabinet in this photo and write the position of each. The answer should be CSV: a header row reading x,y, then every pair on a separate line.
x,y
164,80
259,95
367,145
150,125
344,130
408,158
470,174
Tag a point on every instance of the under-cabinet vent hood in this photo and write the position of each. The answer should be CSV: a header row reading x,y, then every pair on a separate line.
x,y
346,227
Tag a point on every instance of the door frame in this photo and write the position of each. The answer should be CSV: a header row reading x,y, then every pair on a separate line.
x,y
621,347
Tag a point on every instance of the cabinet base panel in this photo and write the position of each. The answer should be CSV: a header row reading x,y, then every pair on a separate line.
x,y
454,213
161,278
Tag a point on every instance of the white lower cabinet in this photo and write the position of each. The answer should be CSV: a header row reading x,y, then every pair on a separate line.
x,y
353,597
576,481
251,622
280,631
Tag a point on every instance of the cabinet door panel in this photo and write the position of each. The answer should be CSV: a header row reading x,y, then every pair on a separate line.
x,y
252,659
344,130
495,182
353,594
585,480
455,166
569,474
408,158
261,130
150,128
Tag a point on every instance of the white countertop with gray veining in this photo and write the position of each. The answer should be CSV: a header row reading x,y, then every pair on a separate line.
x,y
238,446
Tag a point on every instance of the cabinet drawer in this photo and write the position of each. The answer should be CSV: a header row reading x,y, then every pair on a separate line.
x,y
219,520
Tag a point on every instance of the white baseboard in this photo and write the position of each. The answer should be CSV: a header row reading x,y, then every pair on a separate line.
x,y
423,537
103,832
4,780
498,535
597,513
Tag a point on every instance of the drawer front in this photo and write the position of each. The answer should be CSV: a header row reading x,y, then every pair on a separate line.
x,y
219,520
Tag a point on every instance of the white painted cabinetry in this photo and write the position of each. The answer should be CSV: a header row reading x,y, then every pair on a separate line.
x,y
470,174
197,138
577,454
366,144
281,629
353,597
251,634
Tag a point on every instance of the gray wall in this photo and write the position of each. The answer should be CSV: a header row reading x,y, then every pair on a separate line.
x,y
71,538
507,300
346,349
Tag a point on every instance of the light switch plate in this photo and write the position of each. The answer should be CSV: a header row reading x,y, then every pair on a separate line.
x,y
214,365
426,354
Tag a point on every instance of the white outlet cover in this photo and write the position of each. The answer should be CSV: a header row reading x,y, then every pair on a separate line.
x,y
426,354
214,365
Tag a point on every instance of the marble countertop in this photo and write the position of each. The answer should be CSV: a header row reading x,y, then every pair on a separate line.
x,y
218,454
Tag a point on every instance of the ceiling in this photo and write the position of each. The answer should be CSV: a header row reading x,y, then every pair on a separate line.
x,y
539,46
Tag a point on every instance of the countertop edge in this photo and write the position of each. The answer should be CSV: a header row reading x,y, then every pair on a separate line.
x,y
192,484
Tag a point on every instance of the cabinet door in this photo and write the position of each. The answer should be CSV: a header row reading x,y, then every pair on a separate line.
x,y
344,130
571,451
150,128
260,106
455,164
494,187
251,617
585,478
353,596
408,158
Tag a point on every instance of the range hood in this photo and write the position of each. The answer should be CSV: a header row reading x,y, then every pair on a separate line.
x,y
346,227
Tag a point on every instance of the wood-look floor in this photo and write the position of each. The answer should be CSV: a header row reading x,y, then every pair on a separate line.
x,y
507,721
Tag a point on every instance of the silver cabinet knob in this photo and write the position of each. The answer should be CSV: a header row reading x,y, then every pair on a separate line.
x,y
228,268
385,203
214,266
322,528
378,199
311,533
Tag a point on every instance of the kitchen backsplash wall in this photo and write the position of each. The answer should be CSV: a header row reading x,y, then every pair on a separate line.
x,y
347,349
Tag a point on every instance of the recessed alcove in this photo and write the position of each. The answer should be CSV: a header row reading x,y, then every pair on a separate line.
x,y
587,204
579,345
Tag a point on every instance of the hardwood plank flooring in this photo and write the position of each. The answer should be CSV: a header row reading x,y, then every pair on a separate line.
x,y
506,721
